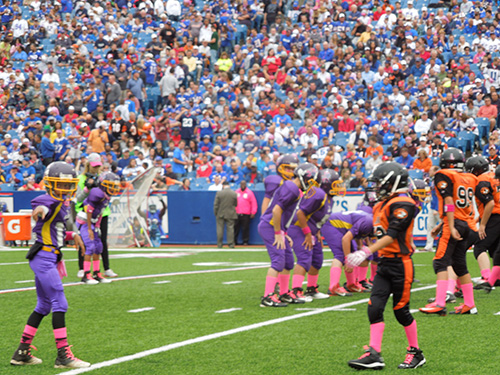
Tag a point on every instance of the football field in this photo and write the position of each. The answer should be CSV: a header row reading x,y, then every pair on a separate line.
x,y
196,311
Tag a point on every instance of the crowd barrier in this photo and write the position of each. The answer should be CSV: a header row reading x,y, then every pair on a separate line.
x,y
190,218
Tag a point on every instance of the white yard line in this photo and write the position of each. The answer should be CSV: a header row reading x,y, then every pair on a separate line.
x,y
228,310
232,282
4,291
24,281
218,335
317,308
162,282
141,309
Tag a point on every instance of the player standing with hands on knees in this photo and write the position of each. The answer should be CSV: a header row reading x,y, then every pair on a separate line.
x,y
88,222
393,219
50,212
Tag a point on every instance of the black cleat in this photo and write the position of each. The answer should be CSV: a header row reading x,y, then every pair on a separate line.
x,y
450,298
22,356
458,293
367,285
271,301
414,358
291,297
66,359
484,285
497,283
312,291
371,360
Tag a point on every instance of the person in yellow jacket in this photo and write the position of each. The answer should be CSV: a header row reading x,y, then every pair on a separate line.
x,y
224,63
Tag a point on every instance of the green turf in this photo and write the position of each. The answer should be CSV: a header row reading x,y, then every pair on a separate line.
x,y
100,328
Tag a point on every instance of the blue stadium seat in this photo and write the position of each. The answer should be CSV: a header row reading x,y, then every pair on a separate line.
x,y
7,187
483,127
415,173
259,186
435,160
466,139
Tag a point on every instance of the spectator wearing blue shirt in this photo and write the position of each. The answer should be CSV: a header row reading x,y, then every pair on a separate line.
x,y
179,165
418,69
5,162
383,86
281,117
93,97
205,145
47,148
405,159
61,145
27,170
15,177
234,175
325,130
137,87
124,161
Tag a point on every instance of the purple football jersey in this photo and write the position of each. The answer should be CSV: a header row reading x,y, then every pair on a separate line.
x,y
359,223
365,208
315,205
271,184
52,229
96,202
286,196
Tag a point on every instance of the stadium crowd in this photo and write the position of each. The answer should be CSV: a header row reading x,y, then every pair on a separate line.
x,y
217,90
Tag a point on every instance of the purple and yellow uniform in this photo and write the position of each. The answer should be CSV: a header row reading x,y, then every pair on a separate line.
x,y
363,206
316,205
271,184
287,196
94,204
44,254
359,223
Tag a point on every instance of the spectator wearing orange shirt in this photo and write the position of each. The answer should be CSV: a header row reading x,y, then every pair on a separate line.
x,y
423,162
489,111
98,139
373,146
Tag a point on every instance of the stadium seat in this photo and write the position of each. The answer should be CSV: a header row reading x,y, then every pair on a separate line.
x,y
7,187
415,173
435,160
468,139
483,127
259,186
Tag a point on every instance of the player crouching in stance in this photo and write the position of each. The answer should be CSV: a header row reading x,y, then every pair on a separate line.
x,y
313,212
50,212
272,228
88,223
455,192
393,219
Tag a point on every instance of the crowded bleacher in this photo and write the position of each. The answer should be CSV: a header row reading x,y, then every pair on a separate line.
x,y
209,91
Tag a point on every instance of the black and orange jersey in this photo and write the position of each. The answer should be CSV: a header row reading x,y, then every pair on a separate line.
x,y
394,217
487,190
460,187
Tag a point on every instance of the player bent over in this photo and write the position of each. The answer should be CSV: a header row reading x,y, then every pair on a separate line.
x,y
393,219
272,228
455,192
88,223
50,212
314,207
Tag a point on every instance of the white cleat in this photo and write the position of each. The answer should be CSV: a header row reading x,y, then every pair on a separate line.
x,y
80,274
110,273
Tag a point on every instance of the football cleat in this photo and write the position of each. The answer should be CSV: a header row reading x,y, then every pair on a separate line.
x,y
497,283
110,273
291,297
432,308
23,357
414,358
313,292
458,292
355,288
370,360
337,290
478,283
484,285
366,284
271,301
87,279
66,359
100,279
299,292
450,298
464,310
80,274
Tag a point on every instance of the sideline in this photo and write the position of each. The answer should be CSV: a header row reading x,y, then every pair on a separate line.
x,y
217,335
5,291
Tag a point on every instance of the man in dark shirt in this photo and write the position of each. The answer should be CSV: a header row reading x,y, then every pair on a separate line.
x,y
358,180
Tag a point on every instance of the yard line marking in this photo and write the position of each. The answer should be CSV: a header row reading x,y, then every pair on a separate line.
x,y
141,310
162,282
498,313
4,291
232,264
24,281
319,308
229,310
217,335
232,282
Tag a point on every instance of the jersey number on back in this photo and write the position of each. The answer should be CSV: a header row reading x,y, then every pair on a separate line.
x,y
464,197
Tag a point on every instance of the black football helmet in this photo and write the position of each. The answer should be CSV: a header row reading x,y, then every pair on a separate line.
x,y
109,182
329,182
389,178
497,173
308,174
477,165
286,165
419,190
60,181
370,197
452,158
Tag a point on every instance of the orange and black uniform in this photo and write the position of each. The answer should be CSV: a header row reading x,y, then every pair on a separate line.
x,y
393,217
487,190
460,187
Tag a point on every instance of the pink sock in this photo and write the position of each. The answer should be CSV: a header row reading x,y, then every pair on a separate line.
x,y
411,334
362,271
468,292
373,271
28,334
350,277
335,273
376,334
95,264
495,275
61,337
451,285
459,284
312,280
270,284
284,281
442,285
485,274
86,265
297,281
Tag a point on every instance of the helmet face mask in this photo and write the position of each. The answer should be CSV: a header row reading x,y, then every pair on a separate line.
x,y
388,179
419,191
60,181
308,175
287,165
452,158
477,165
110,183
338,189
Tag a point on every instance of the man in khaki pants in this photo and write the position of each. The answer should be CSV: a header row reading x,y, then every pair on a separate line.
x,y
225,204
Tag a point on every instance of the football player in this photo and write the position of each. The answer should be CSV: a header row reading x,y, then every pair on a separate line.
x,y
393,219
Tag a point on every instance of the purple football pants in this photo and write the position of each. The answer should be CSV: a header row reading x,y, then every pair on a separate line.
x,y
91,246
333,238
49,287
280,259
306,258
